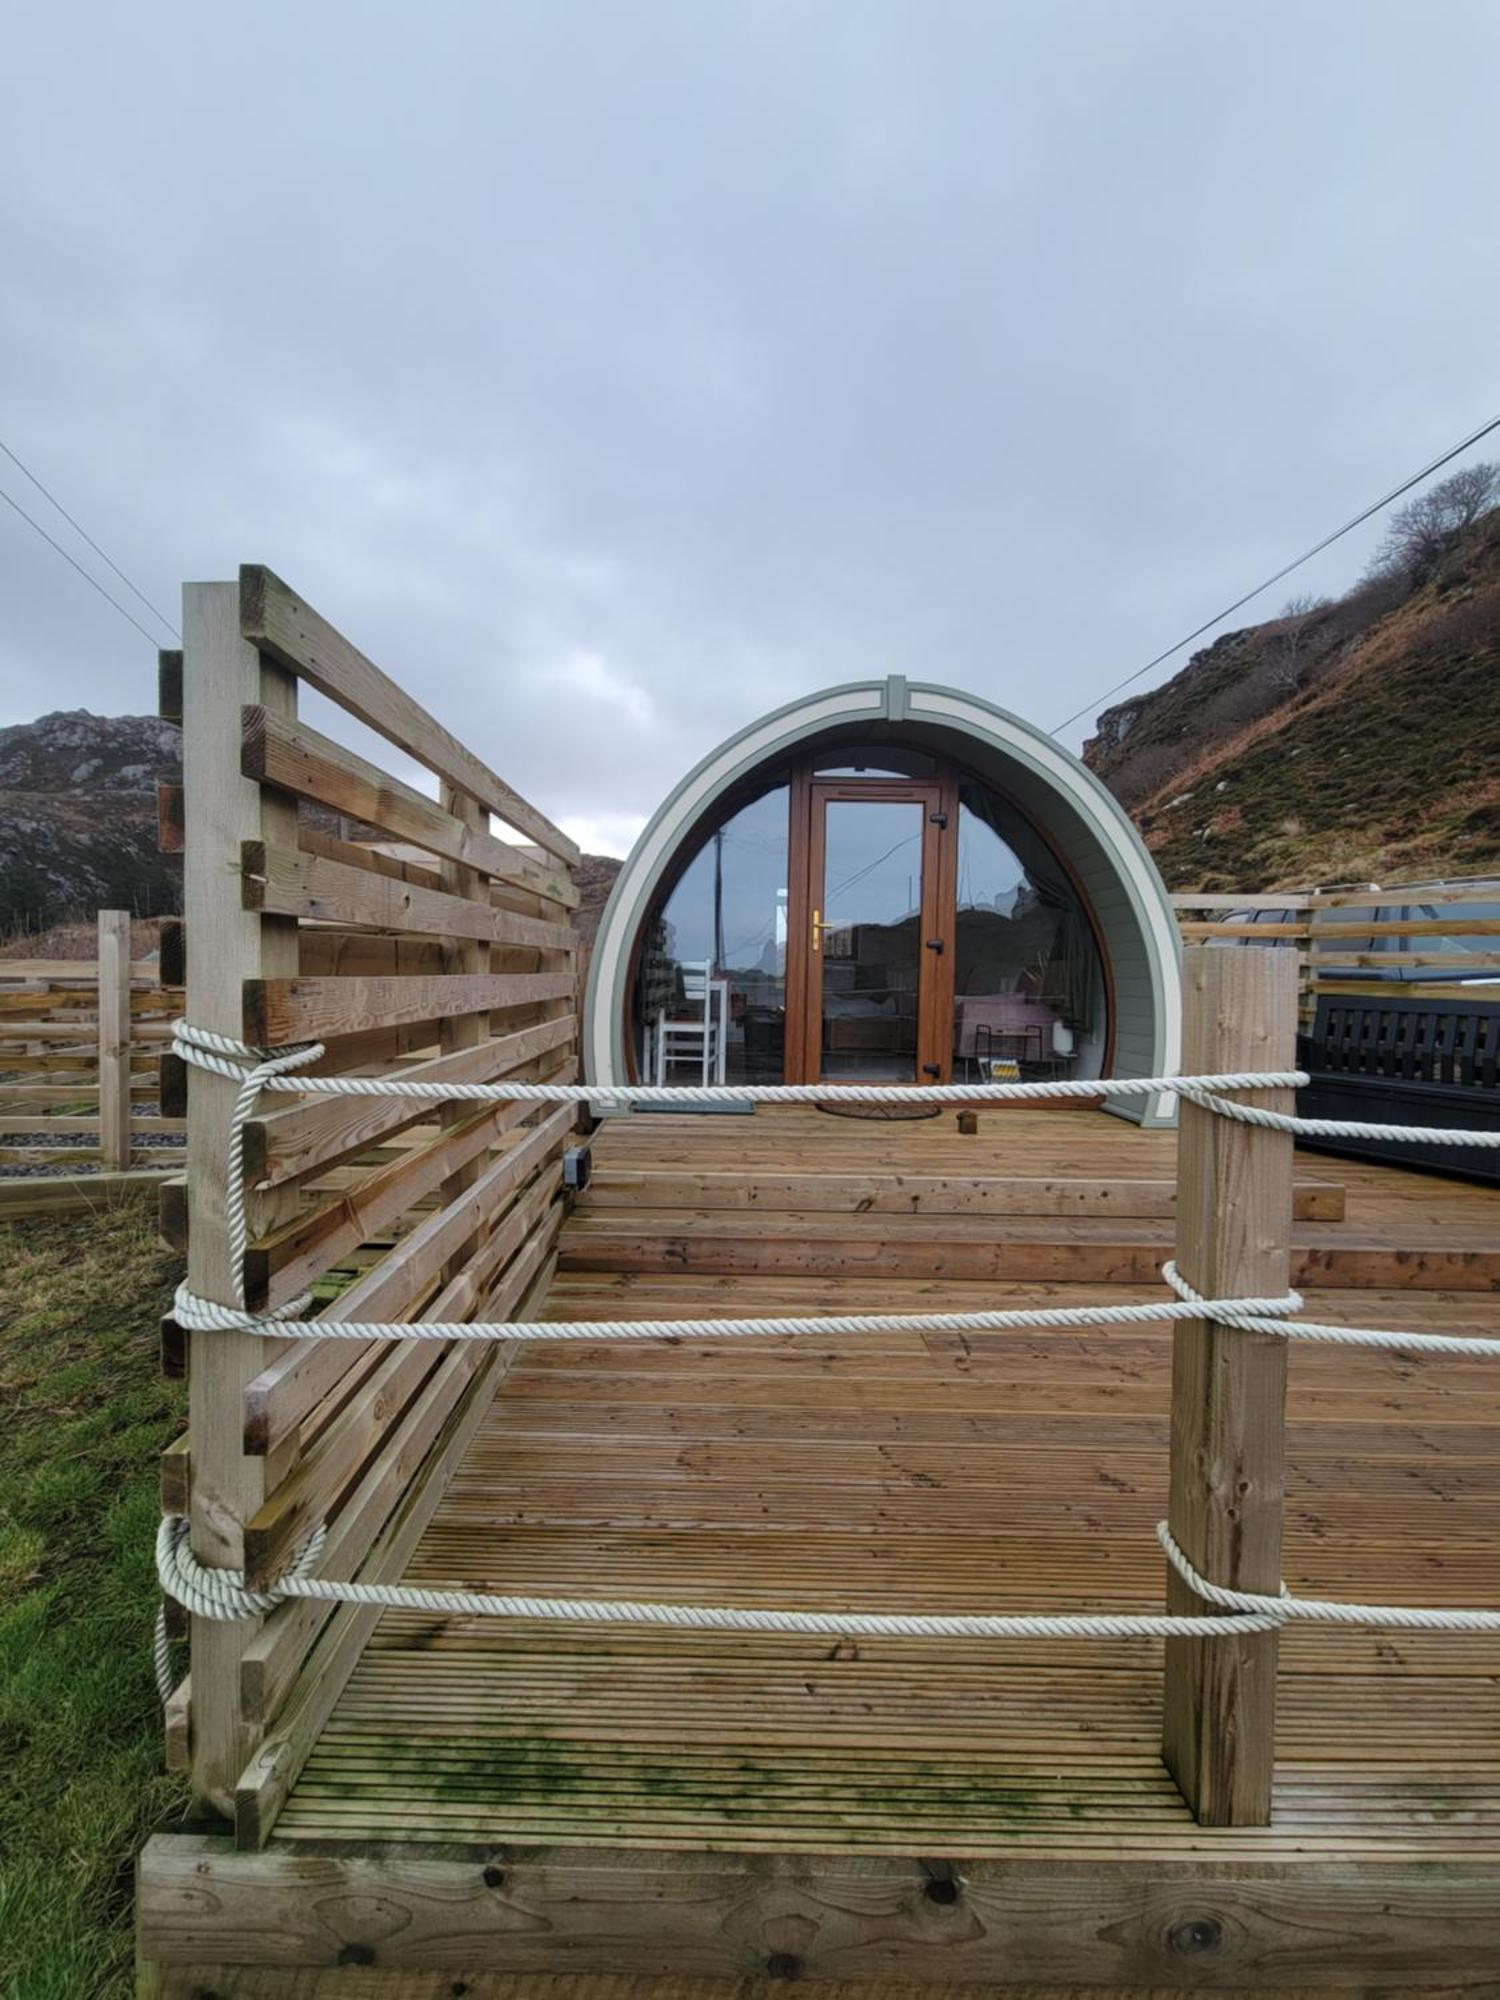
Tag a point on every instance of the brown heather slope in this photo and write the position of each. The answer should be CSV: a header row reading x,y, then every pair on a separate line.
x,y
1383,762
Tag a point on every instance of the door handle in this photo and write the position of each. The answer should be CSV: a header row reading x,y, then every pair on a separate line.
x,y
818,928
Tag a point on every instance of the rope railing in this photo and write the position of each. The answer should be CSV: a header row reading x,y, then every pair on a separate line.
x,y
216,1593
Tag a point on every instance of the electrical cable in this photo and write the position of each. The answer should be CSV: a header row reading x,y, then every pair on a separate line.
x,y
1286,570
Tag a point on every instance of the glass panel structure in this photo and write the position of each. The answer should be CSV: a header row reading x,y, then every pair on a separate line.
x,y
710,984
710,989
1029,994
869,939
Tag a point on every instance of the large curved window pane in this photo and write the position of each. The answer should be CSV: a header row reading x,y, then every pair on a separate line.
x,y
710,999
1028,987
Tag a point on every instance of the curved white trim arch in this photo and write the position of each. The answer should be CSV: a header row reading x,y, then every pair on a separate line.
x,y
1084,820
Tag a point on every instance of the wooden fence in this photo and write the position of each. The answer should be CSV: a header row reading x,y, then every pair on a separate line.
x,y
458,967
1341,947
78,1083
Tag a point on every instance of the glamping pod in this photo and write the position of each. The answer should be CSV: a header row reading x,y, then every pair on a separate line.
x,y
888,882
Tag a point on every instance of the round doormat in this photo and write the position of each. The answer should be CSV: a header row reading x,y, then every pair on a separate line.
x,y
888,1113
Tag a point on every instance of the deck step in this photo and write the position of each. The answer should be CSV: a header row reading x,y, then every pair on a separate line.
x,y
755,1189
1080,1250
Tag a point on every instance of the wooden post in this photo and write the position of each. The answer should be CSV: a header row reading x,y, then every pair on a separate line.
x,y
114,1039
1234,1213
221,674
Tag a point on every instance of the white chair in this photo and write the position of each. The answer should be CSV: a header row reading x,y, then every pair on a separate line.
x,y
700,1036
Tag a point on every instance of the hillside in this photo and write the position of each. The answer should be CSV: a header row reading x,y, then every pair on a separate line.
x,y
78,817
1359,739
78,830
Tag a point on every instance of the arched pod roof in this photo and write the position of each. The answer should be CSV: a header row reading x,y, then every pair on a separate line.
x,y
1081,818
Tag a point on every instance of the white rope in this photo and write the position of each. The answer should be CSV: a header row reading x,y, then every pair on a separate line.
x,y
1270,1316
1247,1315
220,1594
161,1652
1203,1091
204,1316
225,1057
1287,1609
258,1070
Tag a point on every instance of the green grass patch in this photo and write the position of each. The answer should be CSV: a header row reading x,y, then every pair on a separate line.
x,y
85,1412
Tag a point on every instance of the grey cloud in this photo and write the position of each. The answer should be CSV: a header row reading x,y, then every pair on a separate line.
x,y
615,372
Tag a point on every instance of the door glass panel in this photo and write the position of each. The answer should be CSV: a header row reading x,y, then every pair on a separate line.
x,y
1029,987
870,938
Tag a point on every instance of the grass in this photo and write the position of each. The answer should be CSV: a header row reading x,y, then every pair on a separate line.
x,y
83,1414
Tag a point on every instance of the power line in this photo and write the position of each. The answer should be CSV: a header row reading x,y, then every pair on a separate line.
x,y
52,497
149,637
1307,556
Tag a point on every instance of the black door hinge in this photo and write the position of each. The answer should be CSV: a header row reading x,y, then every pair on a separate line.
x,y
934,944
932,1069
938,819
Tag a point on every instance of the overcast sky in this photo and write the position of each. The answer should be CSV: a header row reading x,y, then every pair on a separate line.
x,y
612,373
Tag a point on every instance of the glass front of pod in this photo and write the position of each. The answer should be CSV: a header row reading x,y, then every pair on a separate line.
x,y
1029,1001
709,998
710,988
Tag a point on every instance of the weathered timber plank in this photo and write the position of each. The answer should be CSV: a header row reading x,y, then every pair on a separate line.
x,y
171,819
463,1390
272,1659
311,1010
315,1488
395,868
169,685
324,953
177,1727
176,1477
905,1193
240,1982
230,945
332,892
297,759
273,618
114,1039
283,1144
281,1395
281,1265
1174,1924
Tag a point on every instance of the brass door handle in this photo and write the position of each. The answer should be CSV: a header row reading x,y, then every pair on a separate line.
x,y
818,928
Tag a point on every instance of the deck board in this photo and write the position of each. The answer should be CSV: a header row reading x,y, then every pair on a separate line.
x,y
942,1472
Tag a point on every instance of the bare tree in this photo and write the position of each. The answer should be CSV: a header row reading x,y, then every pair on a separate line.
x,y
1286,648
1423,531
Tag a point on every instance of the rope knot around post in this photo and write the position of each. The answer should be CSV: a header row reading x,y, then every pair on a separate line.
x,y
221,1594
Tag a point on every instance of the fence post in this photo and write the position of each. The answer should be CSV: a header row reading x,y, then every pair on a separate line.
x,y
114,1038
223,672
1234,1215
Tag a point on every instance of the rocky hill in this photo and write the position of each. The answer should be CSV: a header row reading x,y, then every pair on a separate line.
x,y
78,827
1345,741
78,817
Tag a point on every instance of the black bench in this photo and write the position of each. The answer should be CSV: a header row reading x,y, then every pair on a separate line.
x,y
1407,1061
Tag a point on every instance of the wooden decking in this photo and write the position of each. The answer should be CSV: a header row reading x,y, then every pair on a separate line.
x,y
982,1472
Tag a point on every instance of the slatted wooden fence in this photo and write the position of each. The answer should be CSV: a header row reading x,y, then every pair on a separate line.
x,y
458,966
79,1041
1341,948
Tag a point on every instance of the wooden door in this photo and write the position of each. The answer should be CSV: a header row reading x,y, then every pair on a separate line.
x,y
872,931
